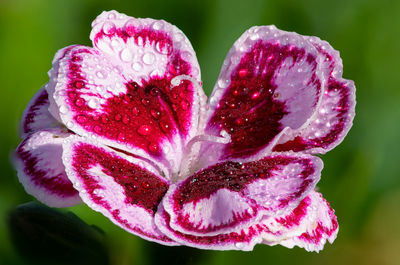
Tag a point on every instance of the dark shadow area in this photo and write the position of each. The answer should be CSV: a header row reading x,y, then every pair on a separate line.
x,y
158,254
42,235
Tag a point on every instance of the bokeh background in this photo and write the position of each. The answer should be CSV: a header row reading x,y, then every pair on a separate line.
x,y
361,176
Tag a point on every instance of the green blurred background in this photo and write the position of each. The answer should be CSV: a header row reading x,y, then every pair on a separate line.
x,y
361,176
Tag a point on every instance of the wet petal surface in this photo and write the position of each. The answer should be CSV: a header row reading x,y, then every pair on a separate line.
x,y
36,116
230,195
335,114
41,171
122,187
138,88
270,80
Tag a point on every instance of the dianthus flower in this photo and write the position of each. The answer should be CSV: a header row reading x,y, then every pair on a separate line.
x,y
126,128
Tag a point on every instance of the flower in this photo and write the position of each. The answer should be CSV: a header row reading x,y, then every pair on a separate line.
x,y
125,127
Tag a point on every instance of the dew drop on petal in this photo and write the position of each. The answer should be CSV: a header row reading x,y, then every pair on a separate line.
x,y
63,109
135,111
144,130
101,74
79,84
223,83
125,119
153,147
158,25
108,28
145,102
184,105
118,117
163,48
136,66
165,127
80,102
130,26
81,119
121,136
155,113
126,55
93,103
148,58
239,245
97,129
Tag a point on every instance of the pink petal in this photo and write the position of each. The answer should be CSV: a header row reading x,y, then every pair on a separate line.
x,y
36,115
125,189
268,230
270,80
232,195
41,171
336,112
324,227
138,88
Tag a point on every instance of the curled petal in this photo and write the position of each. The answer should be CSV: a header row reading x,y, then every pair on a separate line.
x,y
321,229
335,114
36,115
270,80
286,229
122,187
138,88
41,171
232,195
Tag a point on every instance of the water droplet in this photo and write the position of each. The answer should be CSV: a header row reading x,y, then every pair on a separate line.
x,y
130,26
137,66
132,86
70,124
97,129
93,103
153,147
155,113
80,102
145,101
121,136
135,111
101,74
112,15
144,130
239,245
185,105
163,47
256,95
242,72
81,119
118,117
148,58
126,55
79,84
108,28
165,127
158,25
223,83
63,109
125,119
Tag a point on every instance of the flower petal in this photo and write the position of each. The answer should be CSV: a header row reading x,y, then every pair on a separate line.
x,y
144,92
268,230
336,112
270,80
231,195
36,115
122,187
41,171
324,227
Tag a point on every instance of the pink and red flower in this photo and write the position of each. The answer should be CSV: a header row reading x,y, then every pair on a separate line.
x,y
126,128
